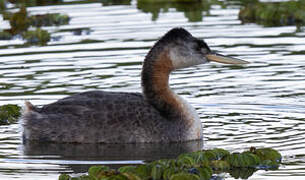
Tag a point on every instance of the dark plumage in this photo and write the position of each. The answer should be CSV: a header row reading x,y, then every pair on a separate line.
x,y
98,116
159,115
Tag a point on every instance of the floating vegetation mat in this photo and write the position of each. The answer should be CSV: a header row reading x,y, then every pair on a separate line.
x,y
21,23
274,13
194,10
201,165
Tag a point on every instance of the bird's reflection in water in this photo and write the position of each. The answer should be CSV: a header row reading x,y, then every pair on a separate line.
x,y
106,152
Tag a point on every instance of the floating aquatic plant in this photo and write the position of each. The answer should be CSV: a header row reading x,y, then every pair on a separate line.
x,y
220,165
270,158
241,173
242,160
192,9
20,22
9,114
198,165
37,36
274,13
183,176
49,19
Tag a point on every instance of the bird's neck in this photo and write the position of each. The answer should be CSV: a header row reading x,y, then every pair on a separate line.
x,y
156,90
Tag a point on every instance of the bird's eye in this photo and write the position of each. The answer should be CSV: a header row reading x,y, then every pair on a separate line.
x,y
202,46
197,48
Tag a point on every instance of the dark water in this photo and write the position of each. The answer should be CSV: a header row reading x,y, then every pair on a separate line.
x,y
260,104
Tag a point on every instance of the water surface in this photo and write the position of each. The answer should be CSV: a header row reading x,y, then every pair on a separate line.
x,y
260,104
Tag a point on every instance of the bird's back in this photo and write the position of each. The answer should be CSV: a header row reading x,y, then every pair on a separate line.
x,y
99,116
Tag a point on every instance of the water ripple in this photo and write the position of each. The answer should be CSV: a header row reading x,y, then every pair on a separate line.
x,y
261,104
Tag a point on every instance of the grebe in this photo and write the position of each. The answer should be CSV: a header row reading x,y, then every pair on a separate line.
x,y
157,115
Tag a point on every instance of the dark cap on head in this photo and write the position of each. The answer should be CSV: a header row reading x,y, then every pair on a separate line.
x,y
177,33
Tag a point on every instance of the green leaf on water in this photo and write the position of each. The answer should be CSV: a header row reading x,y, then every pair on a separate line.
x,y
220,165
98,171
184,176
268,154
9,114
156,172
124,169
64,177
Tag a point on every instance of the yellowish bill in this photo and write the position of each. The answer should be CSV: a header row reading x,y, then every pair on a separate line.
x,y
225,59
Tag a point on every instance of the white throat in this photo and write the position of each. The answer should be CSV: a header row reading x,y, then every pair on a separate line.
x,y
183,59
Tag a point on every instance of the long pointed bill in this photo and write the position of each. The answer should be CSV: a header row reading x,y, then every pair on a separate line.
x,y
224,59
